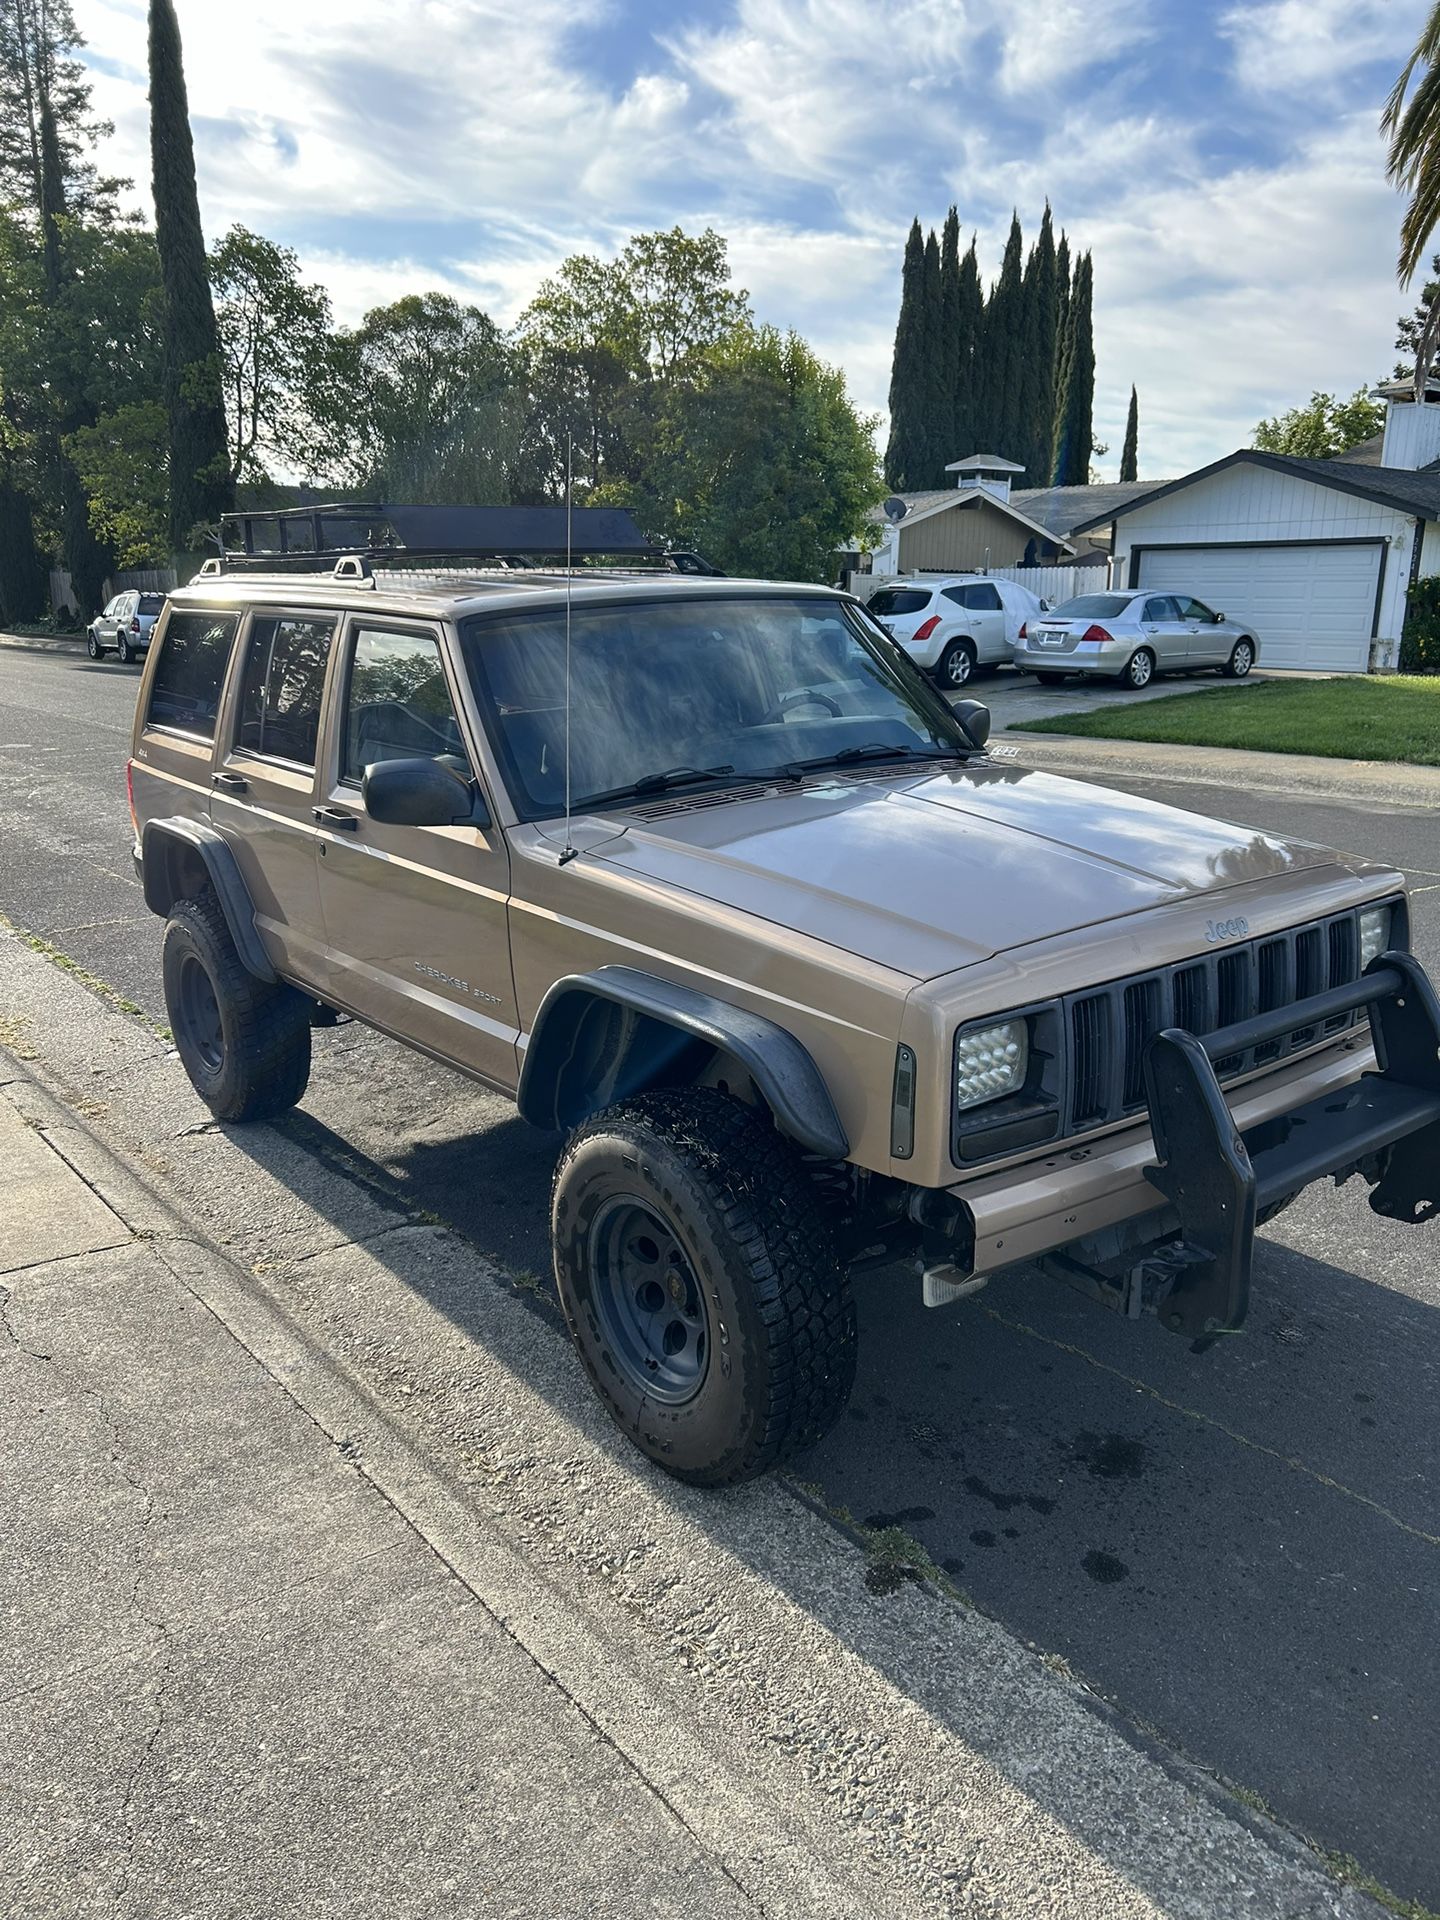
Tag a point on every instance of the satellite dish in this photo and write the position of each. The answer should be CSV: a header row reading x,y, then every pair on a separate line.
x,y
895,508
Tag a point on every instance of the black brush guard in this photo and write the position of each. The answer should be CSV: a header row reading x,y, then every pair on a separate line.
x,y
1219,1180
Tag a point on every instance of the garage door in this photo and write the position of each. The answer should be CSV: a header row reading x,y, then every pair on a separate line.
x,y
1312,606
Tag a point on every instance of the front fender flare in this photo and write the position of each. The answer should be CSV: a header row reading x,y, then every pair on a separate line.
x,y
783,1072
223,873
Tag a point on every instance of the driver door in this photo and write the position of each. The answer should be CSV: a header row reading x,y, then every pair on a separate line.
x,y
416,918
1205,642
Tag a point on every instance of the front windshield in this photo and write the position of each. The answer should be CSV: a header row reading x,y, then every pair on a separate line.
x,y
716,688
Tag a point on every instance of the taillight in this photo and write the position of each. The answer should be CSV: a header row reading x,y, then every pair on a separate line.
x,y
130,794
1100,635
924,632
1021,634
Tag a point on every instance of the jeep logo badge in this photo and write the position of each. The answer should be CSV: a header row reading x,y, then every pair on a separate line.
x,y
1234,929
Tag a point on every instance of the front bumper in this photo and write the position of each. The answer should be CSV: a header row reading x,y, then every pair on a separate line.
x,y
1164,1217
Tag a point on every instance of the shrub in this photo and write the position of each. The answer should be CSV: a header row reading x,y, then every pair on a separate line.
x,y
1420,636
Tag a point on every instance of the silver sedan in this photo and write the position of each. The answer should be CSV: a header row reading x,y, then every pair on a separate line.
x,y
1132,636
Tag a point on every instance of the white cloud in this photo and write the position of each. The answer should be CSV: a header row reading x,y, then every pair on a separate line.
x,y
1299,47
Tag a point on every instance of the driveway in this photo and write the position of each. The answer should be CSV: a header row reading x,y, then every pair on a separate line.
x,y
1013,696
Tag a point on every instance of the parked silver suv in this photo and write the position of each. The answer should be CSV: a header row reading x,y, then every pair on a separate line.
x,y
125,623
711,879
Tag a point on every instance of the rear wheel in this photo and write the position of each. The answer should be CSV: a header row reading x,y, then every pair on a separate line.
x,y
956,664
700,1281
1242,658
1139,669
93,646
244,1043
123,648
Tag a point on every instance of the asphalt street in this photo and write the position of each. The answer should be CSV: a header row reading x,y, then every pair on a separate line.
x,y
1238,1548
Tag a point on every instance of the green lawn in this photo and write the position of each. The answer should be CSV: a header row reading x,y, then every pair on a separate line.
x,y
1355,718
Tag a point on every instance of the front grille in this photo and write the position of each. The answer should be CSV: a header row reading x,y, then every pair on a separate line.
x,y
1109,1026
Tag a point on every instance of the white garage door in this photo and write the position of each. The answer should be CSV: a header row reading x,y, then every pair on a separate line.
x,y
1312,606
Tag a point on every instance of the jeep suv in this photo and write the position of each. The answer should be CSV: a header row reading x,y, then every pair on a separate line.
x,y
711,879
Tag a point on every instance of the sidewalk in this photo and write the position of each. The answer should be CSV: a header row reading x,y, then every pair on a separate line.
x,y
45,642
331,1590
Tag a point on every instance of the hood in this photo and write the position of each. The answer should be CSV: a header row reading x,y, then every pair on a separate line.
x,y
926,873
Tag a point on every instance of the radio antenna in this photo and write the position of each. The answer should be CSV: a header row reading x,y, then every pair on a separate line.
x,y
569,850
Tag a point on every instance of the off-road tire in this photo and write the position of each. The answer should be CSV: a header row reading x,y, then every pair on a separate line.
x,y
956,666
754,1229
1242,659
261,1063
1051,679
92,645
1139,670
123,650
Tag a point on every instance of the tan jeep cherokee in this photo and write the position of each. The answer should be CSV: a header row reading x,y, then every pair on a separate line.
x,y
708,876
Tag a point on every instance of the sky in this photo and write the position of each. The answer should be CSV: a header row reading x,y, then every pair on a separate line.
x,y
1222,161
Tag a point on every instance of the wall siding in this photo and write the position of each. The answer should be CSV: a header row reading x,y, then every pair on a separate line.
x,y
1257,503
956,540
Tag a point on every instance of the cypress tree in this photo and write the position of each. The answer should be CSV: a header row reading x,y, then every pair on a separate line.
x,y
965,434
905,454
1074,423
1004,349
1037,388
949,345
934,385
1062,305
200,486
1130,457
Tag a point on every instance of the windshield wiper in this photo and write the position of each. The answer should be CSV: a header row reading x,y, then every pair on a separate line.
x,y
871,750
656,783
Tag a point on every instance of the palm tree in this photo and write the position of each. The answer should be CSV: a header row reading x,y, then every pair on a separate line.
x,y
1413,128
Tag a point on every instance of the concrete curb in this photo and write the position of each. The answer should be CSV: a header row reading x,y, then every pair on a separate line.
x,y
840,1750
44,642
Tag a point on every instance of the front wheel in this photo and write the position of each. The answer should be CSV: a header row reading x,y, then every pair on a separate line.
x,y
1139,669
245,1043
701,1286
956,664
1242,658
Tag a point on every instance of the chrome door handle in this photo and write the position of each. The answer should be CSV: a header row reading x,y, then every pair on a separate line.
x,y
333,817
231,782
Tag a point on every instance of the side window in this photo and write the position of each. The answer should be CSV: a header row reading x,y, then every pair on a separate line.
x,y
984,598
1160,609
185,692
1195,610
957,594
284,680
398,706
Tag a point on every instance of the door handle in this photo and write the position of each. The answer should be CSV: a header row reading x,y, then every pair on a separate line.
x,y
231,782
333,817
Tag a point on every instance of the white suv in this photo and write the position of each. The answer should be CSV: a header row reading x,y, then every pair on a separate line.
x,y
952,623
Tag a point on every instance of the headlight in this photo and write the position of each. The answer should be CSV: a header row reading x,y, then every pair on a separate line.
x,y
1375,924
990,1062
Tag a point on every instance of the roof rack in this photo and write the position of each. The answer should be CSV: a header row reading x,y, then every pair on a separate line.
x,y
352,538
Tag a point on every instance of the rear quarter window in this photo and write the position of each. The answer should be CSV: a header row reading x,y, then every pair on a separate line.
x,y
185,692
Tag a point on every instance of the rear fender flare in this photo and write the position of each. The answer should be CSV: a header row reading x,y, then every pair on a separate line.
x,y
167,847
601,1037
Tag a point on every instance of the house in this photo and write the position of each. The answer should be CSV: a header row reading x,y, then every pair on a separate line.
x,y
976,524
1319,554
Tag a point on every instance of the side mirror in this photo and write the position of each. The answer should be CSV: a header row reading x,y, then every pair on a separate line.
x,y
1219,619
974,718
420,793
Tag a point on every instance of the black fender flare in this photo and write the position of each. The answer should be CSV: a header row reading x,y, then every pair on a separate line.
x,y
223,873
784,1074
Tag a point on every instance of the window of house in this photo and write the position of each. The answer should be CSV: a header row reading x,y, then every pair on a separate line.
x,y
398,704
284,680
185,692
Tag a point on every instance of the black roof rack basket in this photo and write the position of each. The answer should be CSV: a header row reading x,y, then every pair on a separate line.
x,y
354,537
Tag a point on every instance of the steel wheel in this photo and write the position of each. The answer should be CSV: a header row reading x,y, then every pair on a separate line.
x,y
1141,668
649,1302
199,1014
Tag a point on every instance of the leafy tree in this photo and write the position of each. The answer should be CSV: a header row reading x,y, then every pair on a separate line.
x,y
761,461
39,73
1074,416
1004,351
430,408
1414,165
277,350
907,453
676,287
1323,427
200,485
1130,452
122,461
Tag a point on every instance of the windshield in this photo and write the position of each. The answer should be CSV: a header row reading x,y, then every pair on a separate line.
x,y
1093,606
892,600
679,691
